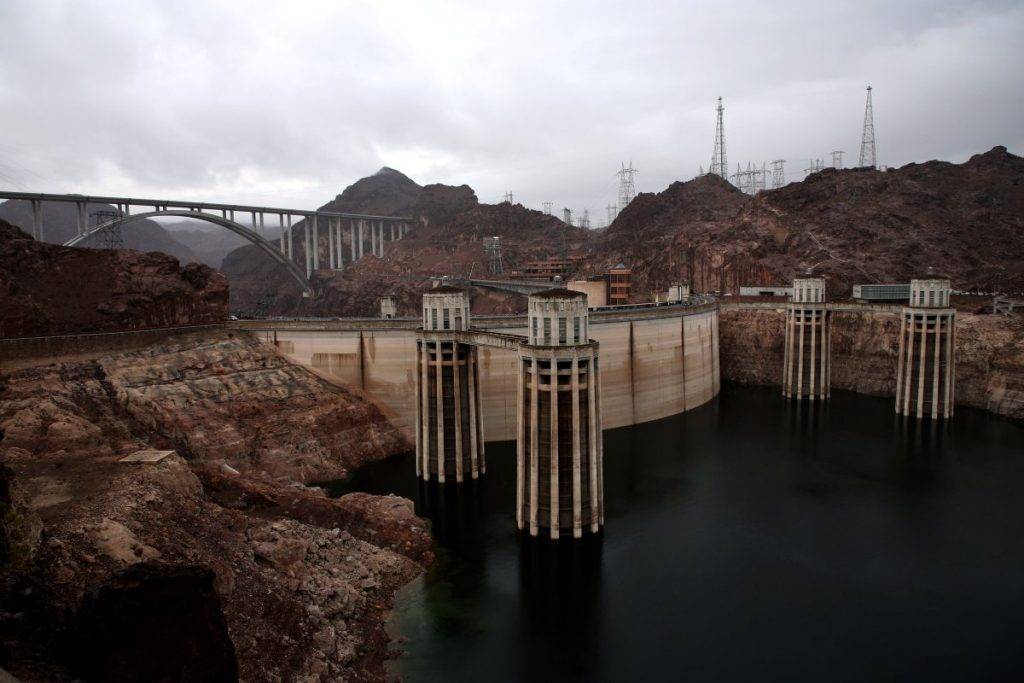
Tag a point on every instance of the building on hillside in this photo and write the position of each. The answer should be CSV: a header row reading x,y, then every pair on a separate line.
x,y
620,285
549,268
596,289
388,307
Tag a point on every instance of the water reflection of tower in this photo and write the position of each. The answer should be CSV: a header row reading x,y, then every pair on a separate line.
x,y
922,444
561,603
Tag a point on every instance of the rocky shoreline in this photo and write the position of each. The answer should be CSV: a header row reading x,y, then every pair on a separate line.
x,y
215,554
989,351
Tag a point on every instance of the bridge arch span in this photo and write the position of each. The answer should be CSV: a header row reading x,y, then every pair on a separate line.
x,y
237,228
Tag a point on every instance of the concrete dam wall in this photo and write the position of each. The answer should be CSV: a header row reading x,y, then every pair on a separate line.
x,y
654,363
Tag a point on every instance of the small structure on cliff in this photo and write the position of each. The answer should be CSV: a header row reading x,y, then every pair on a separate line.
x,y
388,307
926,370
559,483
807,360
449,428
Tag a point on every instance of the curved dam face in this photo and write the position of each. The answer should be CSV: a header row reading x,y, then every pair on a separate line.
x,y
654,362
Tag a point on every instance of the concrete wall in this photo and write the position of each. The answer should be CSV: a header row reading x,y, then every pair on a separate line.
x,y
28,351
656,365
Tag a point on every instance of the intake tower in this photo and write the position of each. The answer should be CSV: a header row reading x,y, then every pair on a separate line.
x,y
449,427
559,483
926,370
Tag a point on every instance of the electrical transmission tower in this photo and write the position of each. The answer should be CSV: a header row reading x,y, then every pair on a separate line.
x,y
585,220
778,173
547,207
719,166
110,236
627,186
509,198
837,159
567,216
492,247
815,166
613,211
867,141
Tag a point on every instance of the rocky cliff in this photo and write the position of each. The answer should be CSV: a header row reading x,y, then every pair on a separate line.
x,y
47,289
212,559
989,353
853,225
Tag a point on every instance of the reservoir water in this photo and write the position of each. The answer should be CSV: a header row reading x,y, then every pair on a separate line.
x,y
749,539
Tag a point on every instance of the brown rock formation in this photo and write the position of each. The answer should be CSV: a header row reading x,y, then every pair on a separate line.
x,y
989,352
47,289
854,225
302,582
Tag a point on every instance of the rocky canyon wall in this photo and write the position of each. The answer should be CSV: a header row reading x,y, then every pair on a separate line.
x,y
212,559
865,345
47,289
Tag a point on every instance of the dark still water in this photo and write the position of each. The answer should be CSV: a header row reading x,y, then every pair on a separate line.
x,y
746,540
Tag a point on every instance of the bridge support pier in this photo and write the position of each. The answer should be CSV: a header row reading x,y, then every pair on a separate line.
x,y
559,463
807,361
926,369
449,426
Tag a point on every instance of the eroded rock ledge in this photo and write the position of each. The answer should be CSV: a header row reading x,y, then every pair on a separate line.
x,y
268,576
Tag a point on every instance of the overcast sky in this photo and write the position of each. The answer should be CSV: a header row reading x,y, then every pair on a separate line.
x,y
286,103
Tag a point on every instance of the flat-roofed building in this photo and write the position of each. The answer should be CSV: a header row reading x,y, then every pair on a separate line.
x,y
882,292
766,290
596,289
620,285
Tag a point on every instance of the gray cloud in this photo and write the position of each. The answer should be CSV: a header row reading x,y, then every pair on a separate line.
x,y
288,103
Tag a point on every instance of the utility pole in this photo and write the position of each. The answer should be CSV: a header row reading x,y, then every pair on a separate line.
x,y
837,159
867,140
627,186
719,166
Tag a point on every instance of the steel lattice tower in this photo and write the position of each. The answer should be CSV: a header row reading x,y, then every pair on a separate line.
x,y
719,165
492,247
509,198
837,159
778,173
627,186
547,207
110,236
613,211
867,142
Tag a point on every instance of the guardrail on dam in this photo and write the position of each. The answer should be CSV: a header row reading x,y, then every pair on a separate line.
x,y
655,362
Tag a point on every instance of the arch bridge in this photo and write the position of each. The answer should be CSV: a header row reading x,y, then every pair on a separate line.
x,y
366,233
